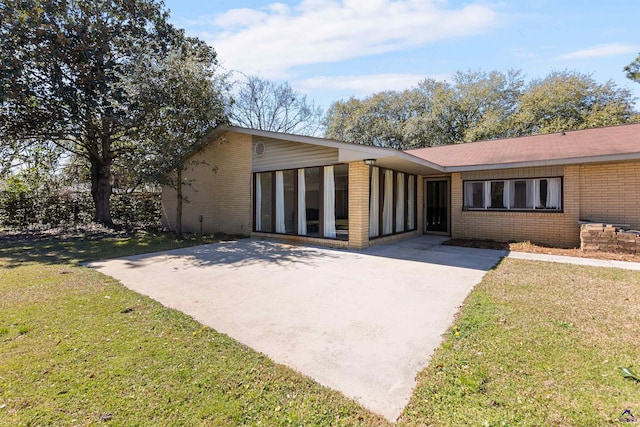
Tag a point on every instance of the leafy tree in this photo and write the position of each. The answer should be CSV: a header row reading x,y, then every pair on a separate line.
x,y
377,120
71,76
192,96
633,70
262,104
478,105
475,106
566,100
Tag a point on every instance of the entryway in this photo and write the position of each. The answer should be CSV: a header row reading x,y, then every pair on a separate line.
x,y
437,201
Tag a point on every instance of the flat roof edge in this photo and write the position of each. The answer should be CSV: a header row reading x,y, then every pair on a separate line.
x,y
549,162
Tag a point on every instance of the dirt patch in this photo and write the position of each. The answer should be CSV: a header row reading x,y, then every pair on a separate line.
x,y
537,249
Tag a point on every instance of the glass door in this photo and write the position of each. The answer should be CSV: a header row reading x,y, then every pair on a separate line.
x,y
437,212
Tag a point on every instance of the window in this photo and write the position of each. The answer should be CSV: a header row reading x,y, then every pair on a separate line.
x,y
392,202
312,201
516,194
498,194
264,205
307,202
521,194
474,195
341,183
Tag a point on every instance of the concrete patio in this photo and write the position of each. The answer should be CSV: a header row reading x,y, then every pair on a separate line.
x,y
364,323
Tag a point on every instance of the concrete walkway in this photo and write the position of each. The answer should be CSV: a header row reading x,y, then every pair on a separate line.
x,y
364,323
576,260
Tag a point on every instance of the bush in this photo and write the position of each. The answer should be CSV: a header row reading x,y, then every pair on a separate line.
x,y
48,205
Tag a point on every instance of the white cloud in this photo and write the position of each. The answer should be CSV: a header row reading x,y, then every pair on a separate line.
x,y
365,84
598,51
274,39
240,18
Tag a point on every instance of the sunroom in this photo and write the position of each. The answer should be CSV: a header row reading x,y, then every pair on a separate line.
x,y
333,193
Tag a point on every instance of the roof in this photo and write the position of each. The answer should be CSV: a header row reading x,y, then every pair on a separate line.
x,y
613,143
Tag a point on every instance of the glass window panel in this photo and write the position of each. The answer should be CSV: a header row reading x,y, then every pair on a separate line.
x,y
289,201
474,195
521,194
341,180
266,206
312,200
542,192
497,194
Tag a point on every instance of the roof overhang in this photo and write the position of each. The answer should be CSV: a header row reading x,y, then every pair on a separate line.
x,y
349,152
549,162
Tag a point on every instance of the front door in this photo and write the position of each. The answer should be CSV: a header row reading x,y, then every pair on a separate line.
x,y
437,201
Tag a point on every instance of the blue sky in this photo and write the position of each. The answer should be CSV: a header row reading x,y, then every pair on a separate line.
x,y
334,49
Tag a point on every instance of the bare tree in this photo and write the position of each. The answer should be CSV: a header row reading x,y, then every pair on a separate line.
x,y
266,105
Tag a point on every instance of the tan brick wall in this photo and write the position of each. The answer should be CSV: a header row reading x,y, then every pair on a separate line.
x,y
609,193
556,229
358,205
219,189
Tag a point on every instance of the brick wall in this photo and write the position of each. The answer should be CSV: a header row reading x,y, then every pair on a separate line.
x,y
549,228
610,193
607,238
218,189
358,205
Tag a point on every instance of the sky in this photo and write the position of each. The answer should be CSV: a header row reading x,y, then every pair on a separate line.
x,y
334,49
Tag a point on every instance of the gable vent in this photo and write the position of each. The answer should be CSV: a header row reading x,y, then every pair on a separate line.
x,y
260,148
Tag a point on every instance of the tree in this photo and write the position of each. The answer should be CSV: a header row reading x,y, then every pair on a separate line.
x,y
71,76
265,105
567,100
633,70
192,99
475,106
376,120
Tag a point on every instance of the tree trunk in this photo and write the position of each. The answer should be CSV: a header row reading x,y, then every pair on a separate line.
x,y
179,204
101,190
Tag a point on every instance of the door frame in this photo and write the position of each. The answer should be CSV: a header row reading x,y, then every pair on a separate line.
x,y
424,206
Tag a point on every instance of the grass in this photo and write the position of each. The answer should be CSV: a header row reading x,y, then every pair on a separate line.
x,y
77,248
77,348
535,344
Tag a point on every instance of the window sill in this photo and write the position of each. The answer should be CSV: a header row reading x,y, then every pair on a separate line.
x,y
514,210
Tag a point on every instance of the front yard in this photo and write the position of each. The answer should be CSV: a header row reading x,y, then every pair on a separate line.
x,y
535,344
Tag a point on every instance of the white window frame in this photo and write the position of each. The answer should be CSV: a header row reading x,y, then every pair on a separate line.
x,y
508,184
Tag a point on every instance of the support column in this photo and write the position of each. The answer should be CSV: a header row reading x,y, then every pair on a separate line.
x,y
358,205
457,225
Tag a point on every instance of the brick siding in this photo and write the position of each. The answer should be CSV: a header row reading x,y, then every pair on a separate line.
x,y
218,189
358,205
610,193
549,228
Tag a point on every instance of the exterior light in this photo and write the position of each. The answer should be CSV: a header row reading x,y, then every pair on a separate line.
x,y
370,162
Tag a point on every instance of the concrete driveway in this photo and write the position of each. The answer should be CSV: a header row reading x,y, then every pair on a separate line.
x,y
363,323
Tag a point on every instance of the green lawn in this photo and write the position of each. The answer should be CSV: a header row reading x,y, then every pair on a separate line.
x,y
536,344
77,348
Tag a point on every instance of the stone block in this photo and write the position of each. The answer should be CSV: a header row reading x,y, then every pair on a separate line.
x,y
590,248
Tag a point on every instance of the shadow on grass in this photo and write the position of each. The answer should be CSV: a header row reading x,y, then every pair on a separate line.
x,y
77,248
142,248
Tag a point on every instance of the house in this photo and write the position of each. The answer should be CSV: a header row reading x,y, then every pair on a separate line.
x,y
320,191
